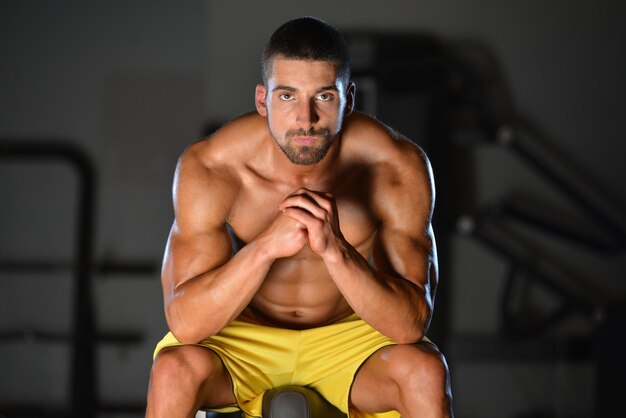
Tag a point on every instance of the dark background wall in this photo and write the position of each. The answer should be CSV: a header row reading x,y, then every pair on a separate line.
x,y
132,83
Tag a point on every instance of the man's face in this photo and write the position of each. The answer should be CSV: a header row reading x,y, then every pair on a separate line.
x,y
305,103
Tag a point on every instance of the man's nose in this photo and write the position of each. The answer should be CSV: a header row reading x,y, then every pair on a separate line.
x,y
307,114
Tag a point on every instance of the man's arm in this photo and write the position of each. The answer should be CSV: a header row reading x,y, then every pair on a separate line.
x,y
397,296
203,287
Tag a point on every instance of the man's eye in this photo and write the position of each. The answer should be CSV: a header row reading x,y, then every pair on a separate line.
x,y
325,97
286,96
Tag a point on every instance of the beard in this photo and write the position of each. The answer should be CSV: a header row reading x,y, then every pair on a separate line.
x,y
303,154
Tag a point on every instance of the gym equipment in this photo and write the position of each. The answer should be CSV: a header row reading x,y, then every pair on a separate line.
x,y
291,402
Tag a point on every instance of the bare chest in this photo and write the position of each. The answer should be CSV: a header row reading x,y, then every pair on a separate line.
x,y
256,207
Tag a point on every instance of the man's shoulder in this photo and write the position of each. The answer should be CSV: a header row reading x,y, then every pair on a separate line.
x,y
369,139
401,179
215,163
228,146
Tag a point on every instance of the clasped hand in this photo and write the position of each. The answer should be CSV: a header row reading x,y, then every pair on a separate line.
x,y
317,212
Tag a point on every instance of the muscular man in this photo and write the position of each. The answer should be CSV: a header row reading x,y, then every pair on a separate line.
x,y
302,252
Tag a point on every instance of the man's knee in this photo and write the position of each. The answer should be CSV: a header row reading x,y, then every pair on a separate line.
x,y
420,368
187,378
183,367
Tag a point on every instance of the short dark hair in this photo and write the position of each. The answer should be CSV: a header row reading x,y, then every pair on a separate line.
x,y
307,38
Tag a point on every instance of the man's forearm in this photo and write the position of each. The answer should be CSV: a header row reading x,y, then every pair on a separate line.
x,y
203,305
396,307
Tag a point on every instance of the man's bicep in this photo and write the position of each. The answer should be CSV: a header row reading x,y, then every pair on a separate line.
x,y
190,254
198,241
405,244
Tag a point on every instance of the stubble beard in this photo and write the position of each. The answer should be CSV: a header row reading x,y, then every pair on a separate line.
x,y
302,154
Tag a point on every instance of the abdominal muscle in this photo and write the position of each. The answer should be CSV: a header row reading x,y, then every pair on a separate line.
x,y
297,293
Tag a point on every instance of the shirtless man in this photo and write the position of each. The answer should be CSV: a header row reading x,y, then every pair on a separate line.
x,y
334,271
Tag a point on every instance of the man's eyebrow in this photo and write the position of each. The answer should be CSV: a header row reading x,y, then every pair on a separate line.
x,y
293,89
330,87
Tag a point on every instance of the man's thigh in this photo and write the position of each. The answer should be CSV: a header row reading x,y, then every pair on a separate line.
x,y
377,386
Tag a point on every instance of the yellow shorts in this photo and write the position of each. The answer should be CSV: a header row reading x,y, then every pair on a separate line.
x,y
325,359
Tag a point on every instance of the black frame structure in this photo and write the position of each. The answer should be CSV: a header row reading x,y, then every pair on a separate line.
x,y
83,390
85,335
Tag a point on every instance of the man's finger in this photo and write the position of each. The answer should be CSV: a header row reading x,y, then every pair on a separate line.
x,y
304,202
309,221
323,199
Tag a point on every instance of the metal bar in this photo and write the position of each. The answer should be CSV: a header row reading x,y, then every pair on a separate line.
x,y
586,198
30,336
569,286
103,267
577,232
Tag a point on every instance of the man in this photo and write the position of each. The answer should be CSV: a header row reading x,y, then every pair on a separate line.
x,y
334,271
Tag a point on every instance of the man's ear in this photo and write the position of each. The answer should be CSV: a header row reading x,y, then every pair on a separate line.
x,y
259,99
350,92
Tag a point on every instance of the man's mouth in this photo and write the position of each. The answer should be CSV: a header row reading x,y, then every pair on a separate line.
x,y
305,140
307,137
